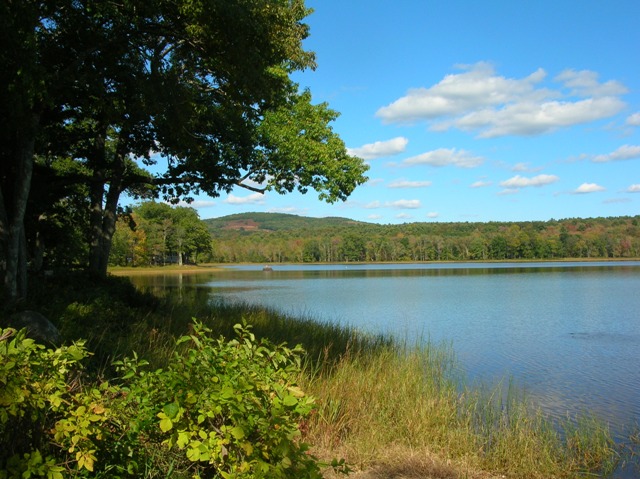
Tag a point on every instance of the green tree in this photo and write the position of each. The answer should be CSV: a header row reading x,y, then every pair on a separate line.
x,y
190,237
204,84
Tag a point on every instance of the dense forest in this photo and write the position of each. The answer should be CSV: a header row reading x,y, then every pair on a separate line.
x,y
274,238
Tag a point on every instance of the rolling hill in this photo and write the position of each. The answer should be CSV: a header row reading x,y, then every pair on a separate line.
x,y
273,222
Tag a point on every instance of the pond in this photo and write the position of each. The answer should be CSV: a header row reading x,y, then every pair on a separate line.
x,y
569,333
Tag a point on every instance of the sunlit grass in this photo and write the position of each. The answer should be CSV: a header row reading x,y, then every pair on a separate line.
x,y
409,399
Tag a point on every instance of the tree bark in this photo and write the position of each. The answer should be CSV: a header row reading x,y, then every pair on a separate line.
x,y
103,213
16,262
103,225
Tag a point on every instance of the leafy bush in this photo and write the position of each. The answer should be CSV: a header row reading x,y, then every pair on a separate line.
x,y
221,409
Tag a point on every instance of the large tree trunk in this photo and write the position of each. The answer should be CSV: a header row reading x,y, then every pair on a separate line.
x,y
4,237
103,226
16,289
103,218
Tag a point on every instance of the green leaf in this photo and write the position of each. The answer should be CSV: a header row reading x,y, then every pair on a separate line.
x,y
183,439
237,432
166,424
193,454
171,410
290,400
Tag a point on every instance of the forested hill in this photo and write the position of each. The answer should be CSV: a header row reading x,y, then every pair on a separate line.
x,y
274,237
274,222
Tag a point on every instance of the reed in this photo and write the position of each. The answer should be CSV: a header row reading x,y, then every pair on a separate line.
x,y
383,411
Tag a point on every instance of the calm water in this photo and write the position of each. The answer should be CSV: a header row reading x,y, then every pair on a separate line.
x,y
569,333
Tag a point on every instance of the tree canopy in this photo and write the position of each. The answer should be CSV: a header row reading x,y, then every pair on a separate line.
x,y
200,88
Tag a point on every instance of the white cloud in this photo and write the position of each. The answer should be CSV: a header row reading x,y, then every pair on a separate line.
x,y
634,189
290,210
197,204
432,214
252,199
585,83
625,152
403,216
523,182
481,184
480,100
409,184
588,188
380,149
374,217
404,204
477,87
445,157
532,118
634,120
399,204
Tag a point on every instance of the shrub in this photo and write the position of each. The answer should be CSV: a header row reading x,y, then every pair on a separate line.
x,y
221,409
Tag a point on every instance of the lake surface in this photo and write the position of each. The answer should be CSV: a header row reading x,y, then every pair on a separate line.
x,y
569,333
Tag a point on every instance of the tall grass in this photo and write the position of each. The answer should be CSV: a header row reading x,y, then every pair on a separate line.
x,y
389,408
394,404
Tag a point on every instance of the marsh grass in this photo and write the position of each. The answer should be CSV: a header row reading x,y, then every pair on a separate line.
x,y
410,399
390,408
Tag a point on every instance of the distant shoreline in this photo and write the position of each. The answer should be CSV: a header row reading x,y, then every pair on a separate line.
x,y
207,268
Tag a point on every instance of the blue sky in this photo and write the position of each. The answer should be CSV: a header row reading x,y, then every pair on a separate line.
x,y
475,111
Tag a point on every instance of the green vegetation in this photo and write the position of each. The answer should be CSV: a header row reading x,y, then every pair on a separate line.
x,y
274,238
241,405
157,234
92,93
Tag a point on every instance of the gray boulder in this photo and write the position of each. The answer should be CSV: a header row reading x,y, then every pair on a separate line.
x,y
38,327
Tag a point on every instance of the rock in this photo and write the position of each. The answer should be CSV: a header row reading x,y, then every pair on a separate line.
x,y
38,327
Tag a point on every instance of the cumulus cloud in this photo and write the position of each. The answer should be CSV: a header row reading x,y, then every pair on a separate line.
x,y
398,204
197,204
634,189
625,152
380,149
252,199
445,157
532,118
523,182
290,210
588,188
477,87
404,204
374,217
585,83
403,216
634,120
480,100
480,184
409,184
432,214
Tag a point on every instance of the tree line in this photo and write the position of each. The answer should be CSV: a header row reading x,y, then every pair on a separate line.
x,y
93,93
544,240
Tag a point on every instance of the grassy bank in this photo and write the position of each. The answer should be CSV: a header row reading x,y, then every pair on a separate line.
x,y
391,410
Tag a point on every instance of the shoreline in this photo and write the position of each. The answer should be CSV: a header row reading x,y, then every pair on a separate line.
x,y
211,267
